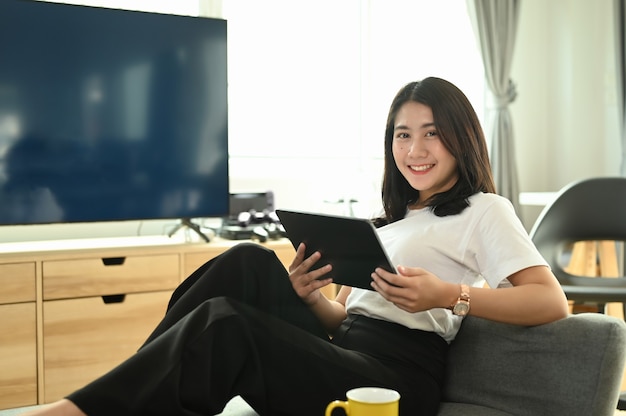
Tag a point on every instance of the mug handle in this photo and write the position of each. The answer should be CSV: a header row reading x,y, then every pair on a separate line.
x,y
337,403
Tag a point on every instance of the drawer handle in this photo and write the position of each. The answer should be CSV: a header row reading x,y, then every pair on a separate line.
x,y
107,299
113,261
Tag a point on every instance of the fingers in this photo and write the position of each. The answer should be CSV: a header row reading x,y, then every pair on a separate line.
x,y
392,287
300,265
387,279
297,260
307,285
383,285
303,279
313,284
316,274
410,271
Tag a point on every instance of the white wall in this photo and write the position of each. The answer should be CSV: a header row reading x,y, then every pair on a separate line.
x,y
565,122
565,117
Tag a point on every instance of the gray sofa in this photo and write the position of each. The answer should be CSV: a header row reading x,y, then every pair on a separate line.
x,y
570,367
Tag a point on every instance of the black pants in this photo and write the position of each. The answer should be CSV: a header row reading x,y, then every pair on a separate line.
x,y
236,327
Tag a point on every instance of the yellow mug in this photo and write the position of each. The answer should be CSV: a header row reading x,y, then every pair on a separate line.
x,y
368,401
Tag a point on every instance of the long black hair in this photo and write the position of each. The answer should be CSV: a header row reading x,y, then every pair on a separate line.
x,y
460,132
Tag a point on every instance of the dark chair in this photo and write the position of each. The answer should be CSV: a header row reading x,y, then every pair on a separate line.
x,y
588,210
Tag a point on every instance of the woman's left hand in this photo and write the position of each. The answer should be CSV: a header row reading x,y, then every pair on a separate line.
x,y
413,289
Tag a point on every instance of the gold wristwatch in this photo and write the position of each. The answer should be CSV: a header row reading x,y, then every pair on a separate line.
x,y
462,306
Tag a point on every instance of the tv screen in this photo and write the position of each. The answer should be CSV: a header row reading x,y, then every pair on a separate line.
x,y
110,115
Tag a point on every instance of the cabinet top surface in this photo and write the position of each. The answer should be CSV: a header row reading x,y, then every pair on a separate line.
x,y
87,243
117,244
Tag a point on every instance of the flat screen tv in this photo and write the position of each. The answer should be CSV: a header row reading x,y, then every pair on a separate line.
x,y
110,115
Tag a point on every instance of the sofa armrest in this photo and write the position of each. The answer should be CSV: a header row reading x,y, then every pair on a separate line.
x,y
571,367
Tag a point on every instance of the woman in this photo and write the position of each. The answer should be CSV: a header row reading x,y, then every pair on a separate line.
x,y
242,325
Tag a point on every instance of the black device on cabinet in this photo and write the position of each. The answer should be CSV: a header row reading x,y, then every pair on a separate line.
x,y
252,216
111,114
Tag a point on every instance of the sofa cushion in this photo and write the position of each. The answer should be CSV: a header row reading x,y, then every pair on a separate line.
x,y
457,409
570,367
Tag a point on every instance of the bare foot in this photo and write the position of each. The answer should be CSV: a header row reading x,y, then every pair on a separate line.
x,y
63,407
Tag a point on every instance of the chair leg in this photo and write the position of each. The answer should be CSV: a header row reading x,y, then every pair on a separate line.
x,y
621,402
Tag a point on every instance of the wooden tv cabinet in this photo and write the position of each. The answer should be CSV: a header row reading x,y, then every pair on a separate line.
x,y
72,310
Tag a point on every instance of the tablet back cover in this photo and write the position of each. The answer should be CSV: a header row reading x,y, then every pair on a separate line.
x,y
349,244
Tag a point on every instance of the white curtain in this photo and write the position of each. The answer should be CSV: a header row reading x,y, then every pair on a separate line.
x,y
495,25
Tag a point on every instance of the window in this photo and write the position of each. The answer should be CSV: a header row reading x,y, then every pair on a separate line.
x,y
315,79
310,85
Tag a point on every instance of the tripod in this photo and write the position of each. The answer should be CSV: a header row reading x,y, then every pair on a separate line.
x,y
186,222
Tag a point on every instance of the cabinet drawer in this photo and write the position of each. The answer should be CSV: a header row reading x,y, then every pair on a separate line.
x,y
85,338
18,356
283,248
109,276
284,251
17,281
195,260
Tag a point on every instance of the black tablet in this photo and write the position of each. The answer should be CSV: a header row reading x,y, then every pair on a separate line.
x,y
351,245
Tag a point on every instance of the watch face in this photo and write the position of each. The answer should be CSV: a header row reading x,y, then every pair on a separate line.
x,y
461,308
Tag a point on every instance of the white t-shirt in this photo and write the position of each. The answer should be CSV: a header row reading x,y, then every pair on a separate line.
x,y
485,243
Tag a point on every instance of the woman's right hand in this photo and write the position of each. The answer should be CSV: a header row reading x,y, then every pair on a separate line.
x,y
307,282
